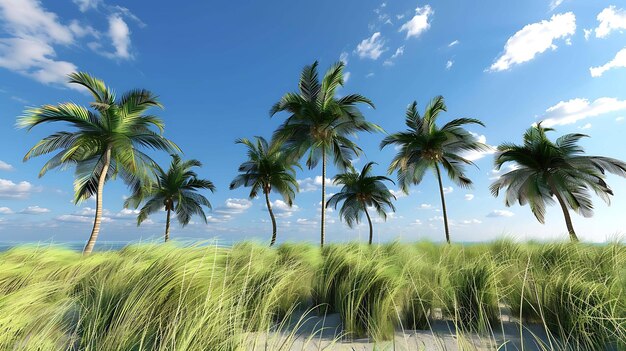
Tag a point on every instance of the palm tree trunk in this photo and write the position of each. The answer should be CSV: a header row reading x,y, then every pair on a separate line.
x,y
323,197
269,209
568,219
167,225
98,218
443,205
369,220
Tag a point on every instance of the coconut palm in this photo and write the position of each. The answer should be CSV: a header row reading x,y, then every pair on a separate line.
x,y
267,168
360,191
319,123
106,141
426,146
542,169
174,190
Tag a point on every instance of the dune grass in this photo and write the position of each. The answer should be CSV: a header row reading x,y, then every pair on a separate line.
x,y
165,297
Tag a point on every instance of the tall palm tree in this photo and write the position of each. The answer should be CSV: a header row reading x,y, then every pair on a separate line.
x,y
267,168
106,141
543,169
360,191
319,123
175,190
425,146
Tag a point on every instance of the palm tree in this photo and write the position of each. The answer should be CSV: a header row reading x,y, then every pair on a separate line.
x,y
106,141
359,192
425,146
543,169
267,169
319,123
175,190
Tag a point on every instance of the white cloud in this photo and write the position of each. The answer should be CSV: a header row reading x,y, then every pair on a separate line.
x,y
85,5
313,184
281,209
469,197
34,210
27,19
371,47
586,126
397,193
426,206
500,213
419,23
618,61
477,155
305,222
610,20
435,219
346,76
343,57
369,75
399,52
120,37
128,213
448,190
11,190
554,4
471,221
79,219
5,210
587,33
534,39
619,119
5,166
417,222
234,206
29,49
82,30
568,112
456,42
449,64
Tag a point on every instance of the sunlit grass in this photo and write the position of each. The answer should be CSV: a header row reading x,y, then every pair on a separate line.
x,y
165,297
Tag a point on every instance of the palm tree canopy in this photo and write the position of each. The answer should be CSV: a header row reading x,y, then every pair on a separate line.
x,y
424,145
359,191
319,122
119,125
541,168
177,189
267,168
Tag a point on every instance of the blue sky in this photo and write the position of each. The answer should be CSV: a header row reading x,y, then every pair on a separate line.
x,y
218,68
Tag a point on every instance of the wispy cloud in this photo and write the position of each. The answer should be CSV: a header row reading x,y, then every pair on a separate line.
x,y
34,210
419,23
619,61
500,213
371,47
5,166
574,110
534,39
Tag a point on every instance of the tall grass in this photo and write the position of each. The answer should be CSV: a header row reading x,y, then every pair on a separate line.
x,y
164,297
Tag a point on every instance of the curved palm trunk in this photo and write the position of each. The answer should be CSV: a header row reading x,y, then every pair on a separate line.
x,y
98,218
269,209
443,205
167,225
568,219
323,197
369,220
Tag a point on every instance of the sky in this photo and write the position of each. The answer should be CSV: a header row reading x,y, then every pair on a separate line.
x,y
219,66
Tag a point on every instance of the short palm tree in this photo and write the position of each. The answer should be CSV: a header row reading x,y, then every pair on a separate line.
x,y
360,191
267,169
320,122
425,146
106,141
543,169
175,190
